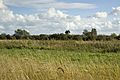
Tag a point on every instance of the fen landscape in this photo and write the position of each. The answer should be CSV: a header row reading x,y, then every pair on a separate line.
x,y
59,40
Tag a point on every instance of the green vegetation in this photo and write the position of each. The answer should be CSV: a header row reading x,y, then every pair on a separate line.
x,y
59,60
70,45
20,34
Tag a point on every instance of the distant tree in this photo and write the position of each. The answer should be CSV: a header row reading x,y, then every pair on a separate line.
x,y
54,37
13,37
21,34
67,32
3,36
8,36
101,38
34,37
85,32
43,37
63,36
90,35
76,37
113,35
93,34
118,37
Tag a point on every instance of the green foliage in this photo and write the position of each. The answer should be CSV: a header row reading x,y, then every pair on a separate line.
x,y
67,32
87,36
93,34
118,37
21,34
90,35
113,35
3,36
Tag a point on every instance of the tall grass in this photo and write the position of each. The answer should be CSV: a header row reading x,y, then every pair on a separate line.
x,y
59,60
28,64
81,46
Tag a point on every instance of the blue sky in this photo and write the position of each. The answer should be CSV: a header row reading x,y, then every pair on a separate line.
x,y
101,5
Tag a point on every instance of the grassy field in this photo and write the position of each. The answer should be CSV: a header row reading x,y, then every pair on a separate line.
x,y
59,60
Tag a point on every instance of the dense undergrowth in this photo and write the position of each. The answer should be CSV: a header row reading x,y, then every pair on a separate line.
x,y
80,46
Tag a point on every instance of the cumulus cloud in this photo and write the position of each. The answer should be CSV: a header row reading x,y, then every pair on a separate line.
x,y
101,15
2,5
62,5
116,11
55,21
49,3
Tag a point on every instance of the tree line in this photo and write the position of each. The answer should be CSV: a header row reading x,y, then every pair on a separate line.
x,y
20,34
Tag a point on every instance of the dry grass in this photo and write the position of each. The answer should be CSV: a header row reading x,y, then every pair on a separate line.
x,y
27,64
59,60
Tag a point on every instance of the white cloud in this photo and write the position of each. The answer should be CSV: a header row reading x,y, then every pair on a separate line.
x,y
116,11
62,5
55,21
49,3
52,12
101,15
2,5
22,3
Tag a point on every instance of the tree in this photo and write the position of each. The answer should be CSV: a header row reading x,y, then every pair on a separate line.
x,y
63,36
118,37
76,37
67,32
8,36
21,34
113,35
101,38
43,37
85,32
90,35
93,34
3,36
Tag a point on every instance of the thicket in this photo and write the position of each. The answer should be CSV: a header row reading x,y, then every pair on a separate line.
x,y
86,36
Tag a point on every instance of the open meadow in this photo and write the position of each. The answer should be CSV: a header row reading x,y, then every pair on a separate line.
x,y
59,39
59,60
